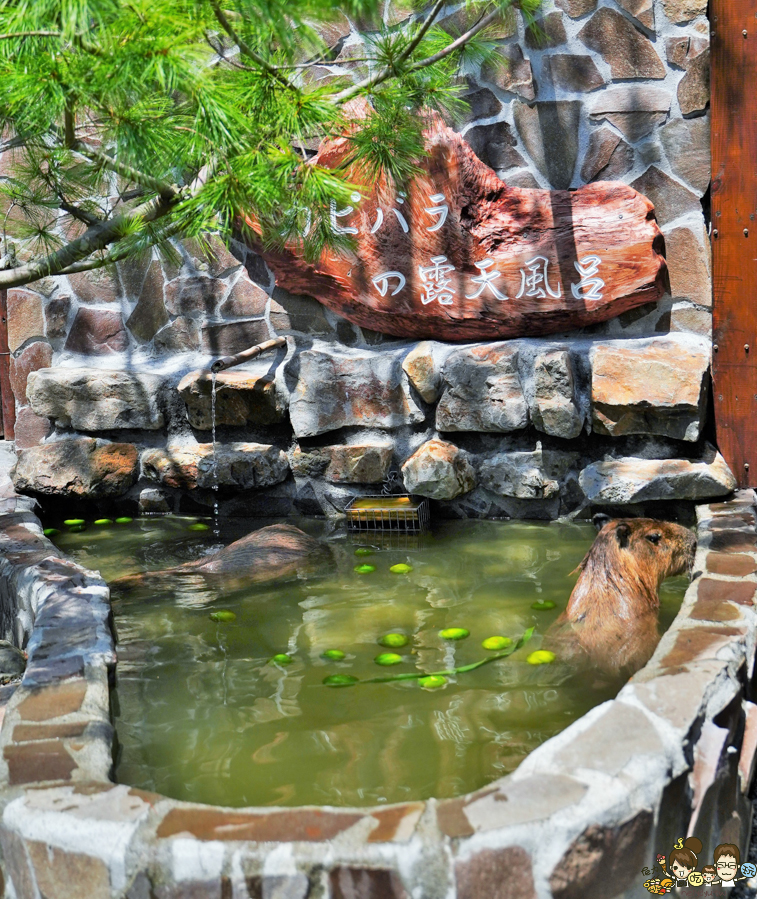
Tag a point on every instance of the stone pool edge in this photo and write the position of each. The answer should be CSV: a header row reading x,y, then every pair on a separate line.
x,y
672,754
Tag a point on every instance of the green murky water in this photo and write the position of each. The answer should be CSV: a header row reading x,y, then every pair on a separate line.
x,y
203,714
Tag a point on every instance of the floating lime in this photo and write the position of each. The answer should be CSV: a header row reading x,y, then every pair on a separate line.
x,y
73,522
401,568
102,522
432,682
124,519
51,532
363,551
223,615
336,655
543,605
197,526
365,569
388,658
541,657
394,640
339,680
454,633
76,528
495,643
281,658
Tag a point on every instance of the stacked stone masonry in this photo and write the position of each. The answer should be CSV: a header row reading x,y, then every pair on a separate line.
x,y
674,753
599,91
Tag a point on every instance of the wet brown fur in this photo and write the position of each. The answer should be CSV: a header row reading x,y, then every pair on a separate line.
x,y
610,622
272,553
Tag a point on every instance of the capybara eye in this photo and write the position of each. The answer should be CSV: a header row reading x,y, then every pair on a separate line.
x,y
654,538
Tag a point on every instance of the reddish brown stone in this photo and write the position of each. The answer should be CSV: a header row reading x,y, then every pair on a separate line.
x,y
149,315
670,198
31,429
681,50
35,355
486,219
233,337
37,762
114,466
97,332
602,855
576,73
195,889
56,316
452,820
77,466
496,874
53,701
743,521
688,255
26,733
629,53
133,271
305,825
365,883
25,317
68,875
694,644
733,542
193,295
390,821
735,565
97,286
694,87
711,591
245,298
182,335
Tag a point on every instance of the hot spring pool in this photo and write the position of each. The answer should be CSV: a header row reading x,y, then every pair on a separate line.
x,y
203,714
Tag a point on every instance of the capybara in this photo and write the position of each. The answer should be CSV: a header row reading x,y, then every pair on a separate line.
x,y
610,622
272,553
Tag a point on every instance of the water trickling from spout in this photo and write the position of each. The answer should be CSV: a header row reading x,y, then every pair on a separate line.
x,y
214,459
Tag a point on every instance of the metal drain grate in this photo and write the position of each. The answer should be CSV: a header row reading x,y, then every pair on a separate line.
x,y
388,513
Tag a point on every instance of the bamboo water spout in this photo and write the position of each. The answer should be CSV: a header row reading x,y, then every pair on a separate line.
x,y
252,353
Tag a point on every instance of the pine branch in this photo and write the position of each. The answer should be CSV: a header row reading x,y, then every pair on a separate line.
x,y
458,43
81,214
164,190
18,34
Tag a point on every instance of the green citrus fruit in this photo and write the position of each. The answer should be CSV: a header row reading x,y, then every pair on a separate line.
x,y
339,680
223,615
103,521
336,655
401,568
394,640
124,519
432,681
74,522
197,526
365,569
281,658
543,605
363,551
454,633
541,657
51,532
495,643
388,658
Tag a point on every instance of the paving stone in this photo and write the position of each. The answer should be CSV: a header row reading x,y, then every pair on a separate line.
x,y
25,317
571,72
92,399
56,316
397,823
734,542
679,11
243,465
697,644
633,109
245,299
233,337
735,565
365,883
495,873
180,336
242,396
354,464
670,198
438,470
77,466
149,315
96,286
603,855
25,733
629,53
544,126
421,368
518,474
97,332
32,357
687,146
63,874
30,429
688,258
512,802
513,74
681,50
642,10
357,390
45,760
576,9
482,391
194,296
694,87
554,408
549,31
306,825
495,146
293,886
634,480
656,387
713,598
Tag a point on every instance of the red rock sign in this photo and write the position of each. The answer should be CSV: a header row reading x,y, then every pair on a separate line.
x,y
465,257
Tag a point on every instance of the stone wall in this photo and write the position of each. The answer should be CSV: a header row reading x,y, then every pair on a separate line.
x,y
102,361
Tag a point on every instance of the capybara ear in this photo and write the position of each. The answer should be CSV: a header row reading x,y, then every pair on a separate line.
x,y
599,520
623,532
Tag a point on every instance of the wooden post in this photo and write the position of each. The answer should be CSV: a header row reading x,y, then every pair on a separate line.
x,y
734,232
7,400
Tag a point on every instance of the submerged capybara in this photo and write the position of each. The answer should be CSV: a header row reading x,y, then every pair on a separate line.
x,y
272,553
610,622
